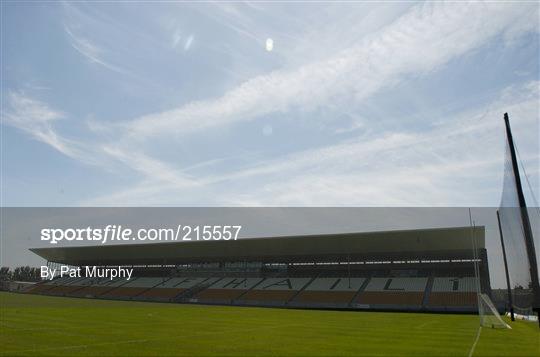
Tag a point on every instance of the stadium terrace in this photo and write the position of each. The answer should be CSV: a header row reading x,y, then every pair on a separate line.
x,y
412,270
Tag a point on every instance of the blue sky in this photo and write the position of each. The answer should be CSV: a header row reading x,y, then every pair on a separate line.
x,y
149,104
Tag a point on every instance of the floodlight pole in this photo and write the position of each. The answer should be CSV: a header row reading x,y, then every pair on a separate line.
x,y
509,290
529,243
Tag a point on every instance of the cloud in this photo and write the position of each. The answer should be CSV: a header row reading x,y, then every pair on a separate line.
x,y
445,163
426,37
149,167
459,162
188,43
90,50
177,36
456,162
37,119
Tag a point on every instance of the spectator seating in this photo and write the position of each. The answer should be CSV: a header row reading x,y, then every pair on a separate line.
x,y
441,294
329,291
65,287
274,291
171,288
96,287
453,291
227,289
132,288
393,291
50,284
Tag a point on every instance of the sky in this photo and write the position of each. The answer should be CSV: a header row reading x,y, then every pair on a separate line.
x,y
181,104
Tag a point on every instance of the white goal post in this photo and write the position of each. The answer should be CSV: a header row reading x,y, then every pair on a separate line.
x,y
489,316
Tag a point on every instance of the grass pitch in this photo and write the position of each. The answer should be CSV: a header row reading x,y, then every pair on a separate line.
x,y
40,325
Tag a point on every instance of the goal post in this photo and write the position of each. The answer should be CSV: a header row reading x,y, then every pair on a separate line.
x,y
489,316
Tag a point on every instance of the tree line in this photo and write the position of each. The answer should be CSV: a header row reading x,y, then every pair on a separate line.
x,y
25,273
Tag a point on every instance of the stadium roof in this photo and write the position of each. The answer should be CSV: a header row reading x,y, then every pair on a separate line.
x,y
413,244
423,243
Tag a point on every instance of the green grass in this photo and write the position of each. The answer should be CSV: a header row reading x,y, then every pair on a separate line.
x,y
40,325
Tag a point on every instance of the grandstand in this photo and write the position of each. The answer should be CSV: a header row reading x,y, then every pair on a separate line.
x,y
412,270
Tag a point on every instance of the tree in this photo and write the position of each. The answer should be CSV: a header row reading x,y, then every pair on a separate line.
x,y
5,274
26,273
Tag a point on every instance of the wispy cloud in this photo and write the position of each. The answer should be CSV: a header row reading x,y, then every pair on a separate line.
x,y
90,50
176,37
426,37
149,167
37,119
426,165
377,62
457,162
188,43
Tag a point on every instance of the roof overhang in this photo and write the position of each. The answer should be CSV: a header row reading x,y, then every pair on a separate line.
x,y
439,243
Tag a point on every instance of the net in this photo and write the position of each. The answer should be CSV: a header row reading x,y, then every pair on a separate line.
x,y
521,262
489,316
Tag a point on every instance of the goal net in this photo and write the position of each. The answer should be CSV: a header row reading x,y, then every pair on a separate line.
x,y
489,316
518,238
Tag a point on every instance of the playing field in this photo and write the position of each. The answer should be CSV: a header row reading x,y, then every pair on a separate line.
x,y
39,325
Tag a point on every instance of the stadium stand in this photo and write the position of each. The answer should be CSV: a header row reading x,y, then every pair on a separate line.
x,y
422,270
227,289
329,292
96,287
275,291
171,288
132,288
394,291
49,285
391,292
65,288
452,292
